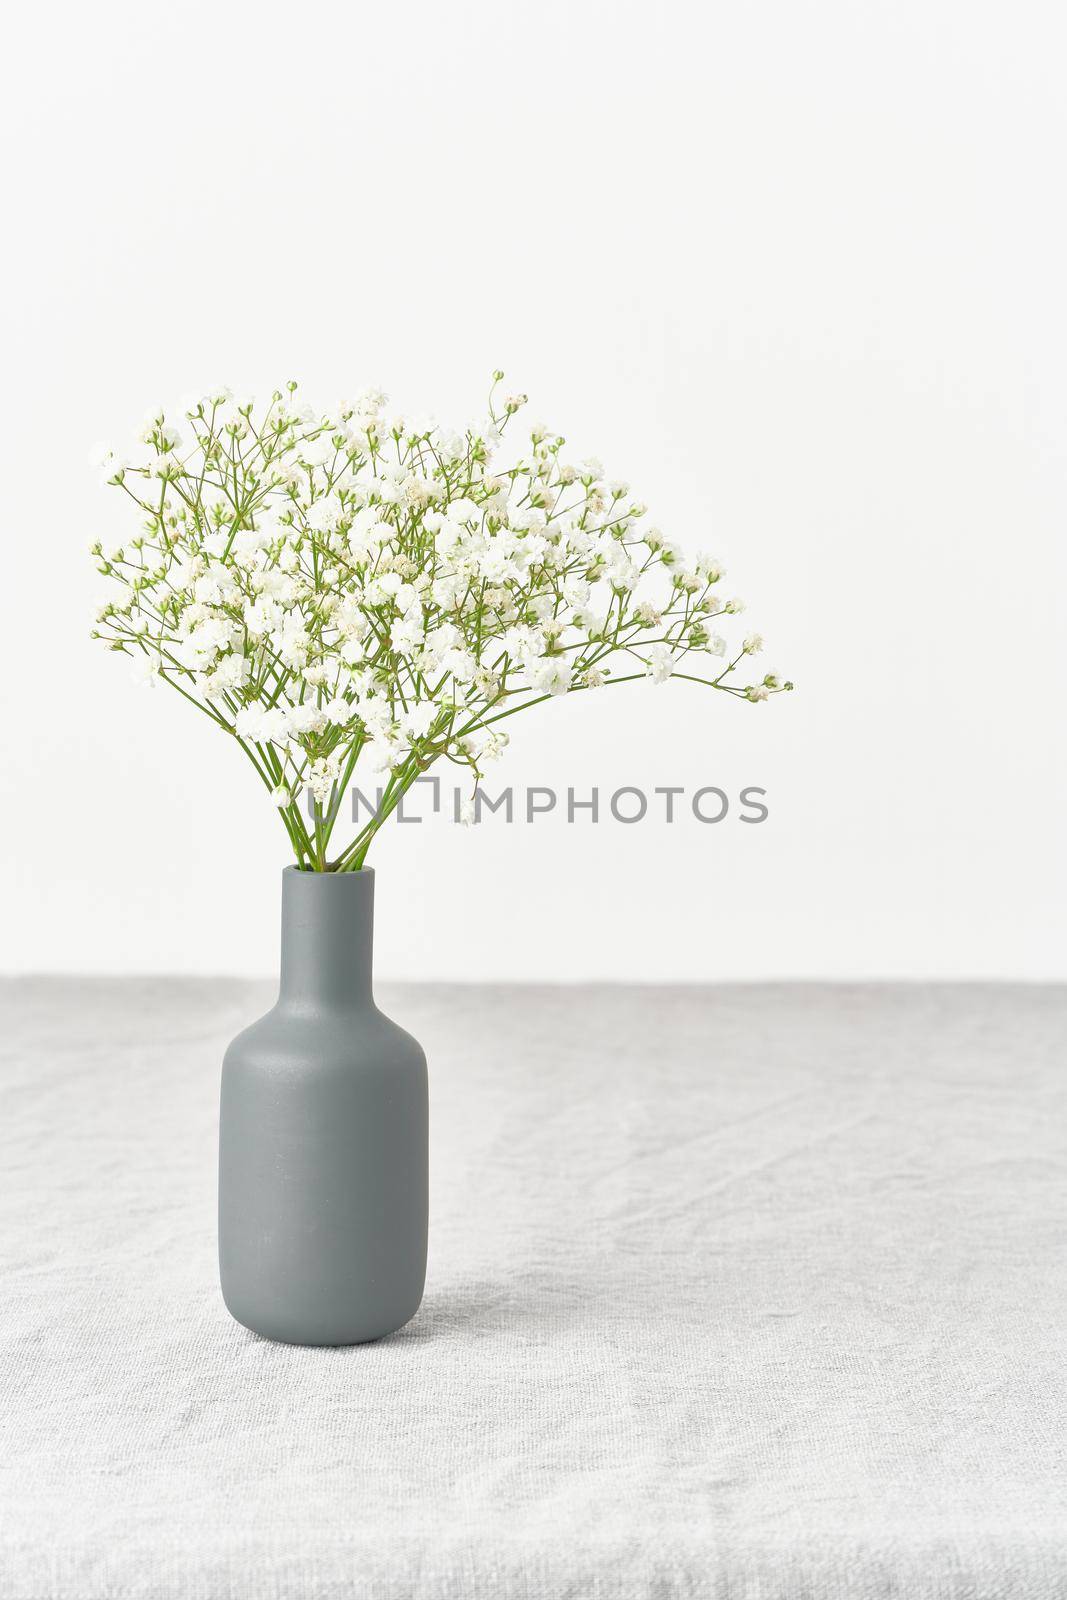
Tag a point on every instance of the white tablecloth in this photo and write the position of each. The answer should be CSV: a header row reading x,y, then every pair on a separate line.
x,y
746,1293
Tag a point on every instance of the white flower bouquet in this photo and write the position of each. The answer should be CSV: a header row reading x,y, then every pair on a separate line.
x,y
340,587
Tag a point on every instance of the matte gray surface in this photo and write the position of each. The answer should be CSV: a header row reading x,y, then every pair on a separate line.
x,y
747,1293
323,1137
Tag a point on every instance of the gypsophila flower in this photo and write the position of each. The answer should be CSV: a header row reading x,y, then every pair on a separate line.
x,y
352,589
660,663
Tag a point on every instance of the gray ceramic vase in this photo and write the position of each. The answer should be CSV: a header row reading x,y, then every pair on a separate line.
x,y
323,1137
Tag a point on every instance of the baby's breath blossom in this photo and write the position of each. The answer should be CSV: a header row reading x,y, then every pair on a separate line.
x,y
344,587
660,663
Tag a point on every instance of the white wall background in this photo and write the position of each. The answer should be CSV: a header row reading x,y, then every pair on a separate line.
x,y
796,271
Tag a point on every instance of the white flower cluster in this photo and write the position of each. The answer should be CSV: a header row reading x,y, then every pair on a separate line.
x,y
338,586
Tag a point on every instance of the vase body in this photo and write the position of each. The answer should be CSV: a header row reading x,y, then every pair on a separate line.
x,y
323,1137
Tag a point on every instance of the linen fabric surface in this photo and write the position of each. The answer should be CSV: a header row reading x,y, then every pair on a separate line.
x,y
752,1293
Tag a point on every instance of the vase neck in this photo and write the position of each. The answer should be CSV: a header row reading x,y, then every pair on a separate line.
x,y
327,937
